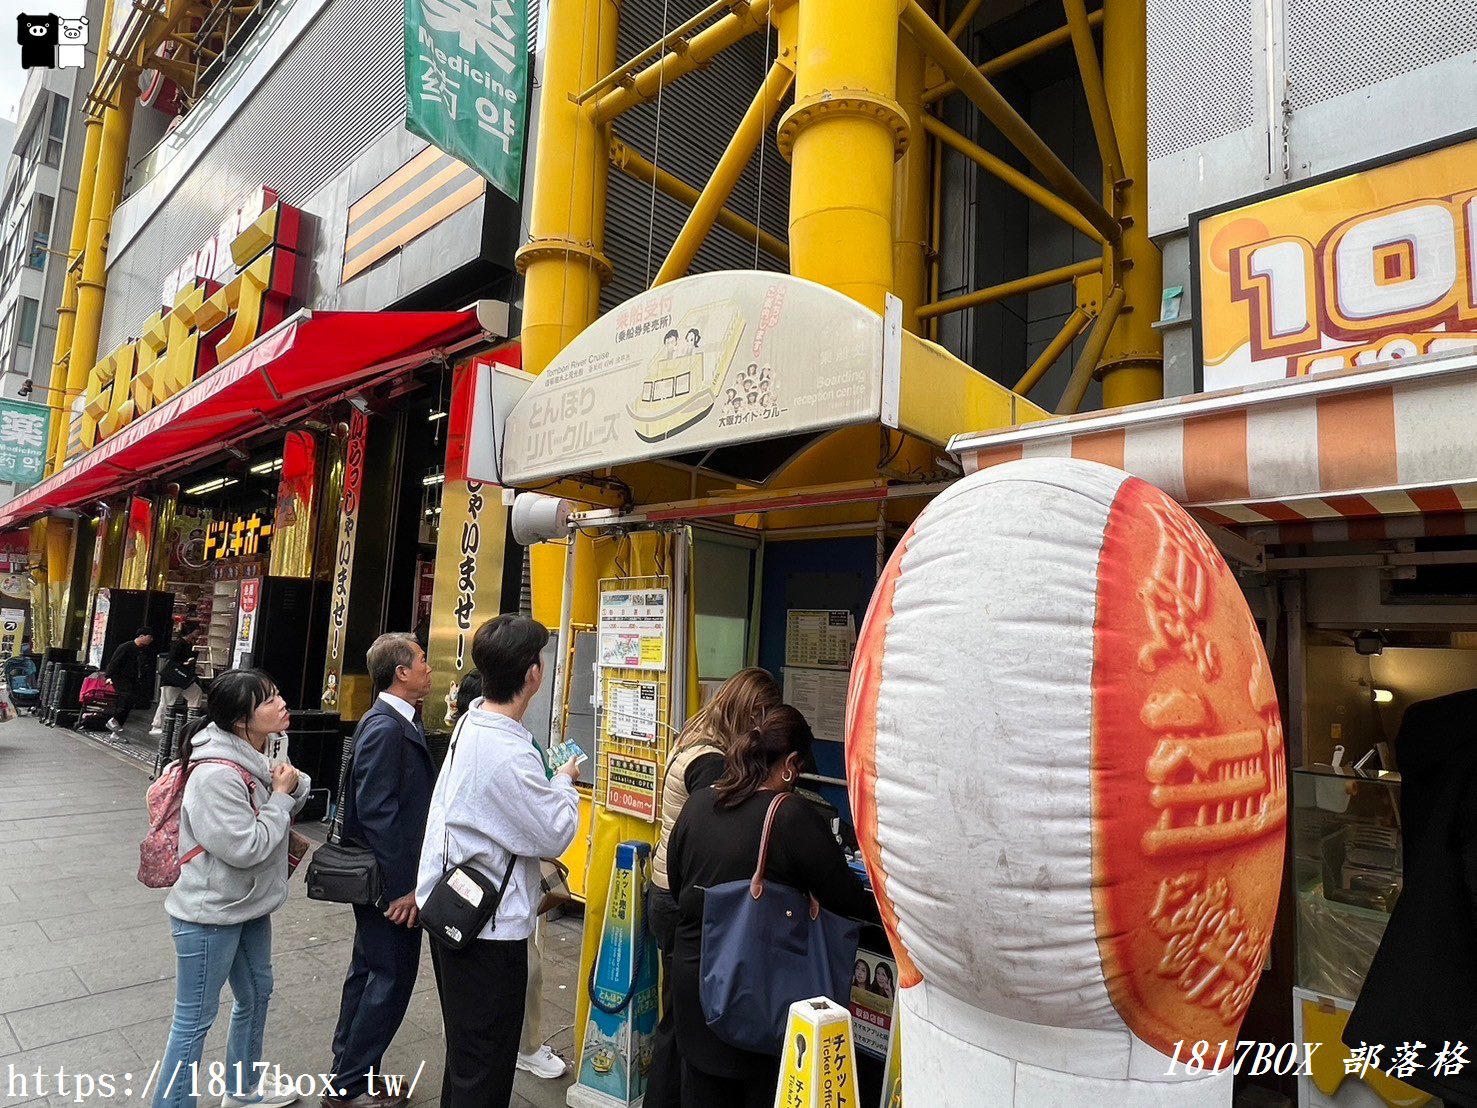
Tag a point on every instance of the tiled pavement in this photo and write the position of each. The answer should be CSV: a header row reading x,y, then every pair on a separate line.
x,y
86,961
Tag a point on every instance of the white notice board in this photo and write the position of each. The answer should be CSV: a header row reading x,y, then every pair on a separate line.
x,y
820,696
819,638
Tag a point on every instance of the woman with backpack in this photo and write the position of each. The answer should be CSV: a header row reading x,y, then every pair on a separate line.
x,y
234,818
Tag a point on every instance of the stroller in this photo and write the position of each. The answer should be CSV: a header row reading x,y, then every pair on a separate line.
x,y
20,675
99,698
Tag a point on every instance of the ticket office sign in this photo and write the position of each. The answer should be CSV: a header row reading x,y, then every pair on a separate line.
x,y
1367,265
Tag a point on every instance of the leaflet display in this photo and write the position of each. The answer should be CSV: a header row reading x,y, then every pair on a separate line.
x,y
633,629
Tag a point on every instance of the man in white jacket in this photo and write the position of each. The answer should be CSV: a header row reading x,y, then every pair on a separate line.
x,y
493,801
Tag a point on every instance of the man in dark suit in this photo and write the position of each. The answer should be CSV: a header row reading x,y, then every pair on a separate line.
x,y
386,802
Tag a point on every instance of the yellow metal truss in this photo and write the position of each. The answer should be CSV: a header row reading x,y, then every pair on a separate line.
x,y
860,71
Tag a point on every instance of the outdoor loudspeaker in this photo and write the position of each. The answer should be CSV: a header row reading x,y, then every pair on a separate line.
x,y
538,518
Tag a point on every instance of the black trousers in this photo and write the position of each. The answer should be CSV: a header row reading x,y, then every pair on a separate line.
x,y
128,695
376,994
664,1079
481,988
706,1090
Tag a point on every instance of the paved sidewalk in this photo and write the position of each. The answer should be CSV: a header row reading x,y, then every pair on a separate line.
x,y
87,965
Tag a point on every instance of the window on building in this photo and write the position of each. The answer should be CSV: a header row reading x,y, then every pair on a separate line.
x,y
30,152
10,254
58,132
30,311
40,230
7,332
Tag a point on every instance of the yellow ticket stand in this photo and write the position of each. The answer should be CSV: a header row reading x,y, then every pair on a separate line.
x,y
819,1062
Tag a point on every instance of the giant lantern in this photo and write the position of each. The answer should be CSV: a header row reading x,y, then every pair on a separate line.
x,y
1066,765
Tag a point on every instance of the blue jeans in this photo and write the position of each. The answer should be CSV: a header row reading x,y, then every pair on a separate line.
x,y
208,956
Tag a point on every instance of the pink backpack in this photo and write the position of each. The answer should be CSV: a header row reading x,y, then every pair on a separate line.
x,y
159,860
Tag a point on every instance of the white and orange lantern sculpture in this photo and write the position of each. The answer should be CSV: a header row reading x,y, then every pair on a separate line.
x,y
1066,766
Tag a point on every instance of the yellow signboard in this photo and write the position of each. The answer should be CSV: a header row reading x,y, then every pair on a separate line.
x,y
1369,265
819,1064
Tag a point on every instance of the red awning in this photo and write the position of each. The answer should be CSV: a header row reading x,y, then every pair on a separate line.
x,y
309,358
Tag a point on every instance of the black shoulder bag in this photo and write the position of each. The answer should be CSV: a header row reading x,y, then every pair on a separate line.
x,y
465,899
346,871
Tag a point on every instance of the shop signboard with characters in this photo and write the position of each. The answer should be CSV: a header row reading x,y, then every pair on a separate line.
x,y
1370,264
702,362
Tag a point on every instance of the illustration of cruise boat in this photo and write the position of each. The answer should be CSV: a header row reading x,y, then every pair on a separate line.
x,y
685,378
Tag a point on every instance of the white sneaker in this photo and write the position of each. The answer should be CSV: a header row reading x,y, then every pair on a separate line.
x,y
114,725
156,730
268,1100
544,1063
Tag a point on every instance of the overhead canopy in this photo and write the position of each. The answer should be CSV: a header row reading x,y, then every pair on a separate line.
x,y
1370,452
735,374
311,357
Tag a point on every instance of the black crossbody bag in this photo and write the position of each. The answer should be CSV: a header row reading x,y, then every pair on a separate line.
x,y
346,871
465,899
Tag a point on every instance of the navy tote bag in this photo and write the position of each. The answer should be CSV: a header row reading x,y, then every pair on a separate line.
x,y
765,946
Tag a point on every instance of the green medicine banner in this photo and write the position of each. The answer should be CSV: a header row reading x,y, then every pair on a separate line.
x,y
466,83
23,433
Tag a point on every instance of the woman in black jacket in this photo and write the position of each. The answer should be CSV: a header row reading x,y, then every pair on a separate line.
x,y
176,679
716,840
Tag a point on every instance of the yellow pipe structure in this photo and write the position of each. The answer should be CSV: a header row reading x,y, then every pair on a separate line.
x,y
709,205
1030,283
107,190
638,166
1076,323
1011,176
912,191
965,17
674,40
1133,362
1012,58
912,188
936,234
1090,69
66,315
696,52
842,137
564,263
1006,119
1092,355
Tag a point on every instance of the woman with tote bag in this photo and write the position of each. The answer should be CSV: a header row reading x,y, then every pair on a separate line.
x,y
716,841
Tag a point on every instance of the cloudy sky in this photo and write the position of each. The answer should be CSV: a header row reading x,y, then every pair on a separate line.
x,y
12,76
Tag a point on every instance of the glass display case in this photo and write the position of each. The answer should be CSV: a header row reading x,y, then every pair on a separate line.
x,y
1347,872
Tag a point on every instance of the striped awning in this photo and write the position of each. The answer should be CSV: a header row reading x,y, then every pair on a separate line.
x,y
1384,451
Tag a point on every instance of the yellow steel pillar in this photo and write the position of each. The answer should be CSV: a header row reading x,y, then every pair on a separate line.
x,y
107,190
65,316
1132,366
564,264
842,137
911,186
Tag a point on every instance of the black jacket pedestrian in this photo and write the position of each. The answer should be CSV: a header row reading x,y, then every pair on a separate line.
x,y
179,669
1422,985
711,845
129,666
388,798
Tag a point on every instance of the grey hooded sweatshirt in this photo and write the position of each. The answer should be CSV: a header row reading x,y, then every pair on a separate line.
x,y
243,873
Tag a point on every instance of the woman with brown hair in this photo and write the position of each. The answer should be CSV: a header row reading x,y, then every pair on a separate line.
x,y
717,841
695,763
